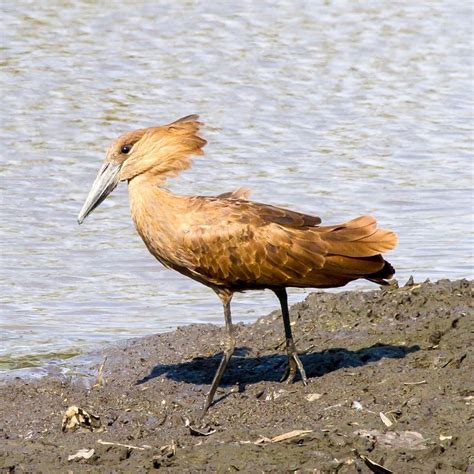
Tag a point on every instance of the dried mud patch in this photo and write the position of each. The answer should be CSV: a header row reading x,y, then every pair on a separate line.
x,y
390,380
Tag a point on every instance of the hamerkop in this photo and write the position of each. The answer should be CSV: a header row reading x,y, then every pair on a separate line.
x,y
227,242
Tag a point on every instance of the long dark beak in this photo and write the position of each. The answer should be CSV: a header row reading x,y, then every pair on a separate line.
x,y
105,182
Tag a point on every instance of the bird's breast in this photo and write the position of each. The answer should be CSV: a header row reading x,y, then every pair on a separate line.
x,y
162,222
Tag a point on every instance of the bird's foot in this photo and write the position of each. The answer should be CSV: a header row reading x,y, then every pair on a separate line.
x,y
198,428
294,364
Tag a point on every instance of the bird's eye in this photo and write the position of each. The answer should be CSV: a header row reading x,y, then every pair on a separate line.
x,y
125,149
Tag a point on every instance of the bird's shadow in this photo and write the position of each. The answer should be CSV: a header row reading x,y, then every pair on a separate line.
x,y
247,370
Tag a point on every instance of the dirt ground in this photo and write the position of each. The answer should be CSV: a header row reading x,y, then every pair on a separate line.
x,y
390,384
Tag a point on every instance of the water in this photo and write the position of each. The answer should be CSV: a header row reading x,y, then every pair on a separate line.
x,y
332,107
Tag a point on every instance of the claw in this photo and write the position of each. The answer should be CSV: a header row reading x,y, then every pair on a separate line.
x,y
198,430
290,372
294,363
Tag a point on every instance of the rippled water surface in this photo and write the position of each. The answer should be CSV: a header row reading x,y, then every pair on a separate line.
x,y
331,107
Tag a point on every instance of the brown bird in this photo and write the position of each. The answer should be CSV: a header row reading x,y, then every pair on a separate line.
x,y
227,242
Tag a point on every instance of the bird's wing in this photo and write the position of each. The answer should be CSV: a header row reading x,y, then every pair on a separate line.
x,y
249,244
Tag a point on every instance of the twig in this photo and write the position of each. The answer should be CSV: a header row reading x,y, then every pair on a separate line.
x,y
109,443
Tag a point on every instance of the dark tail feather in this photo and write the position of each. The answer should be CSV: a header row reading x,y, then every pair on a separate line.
x,y
382,275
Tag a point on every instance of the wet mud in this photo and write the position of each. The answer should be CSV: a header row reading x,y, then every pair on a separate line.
x,y
390,390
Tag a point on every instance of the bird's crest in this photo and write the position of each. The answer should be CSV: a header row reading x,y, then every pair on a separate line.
x,y
161,151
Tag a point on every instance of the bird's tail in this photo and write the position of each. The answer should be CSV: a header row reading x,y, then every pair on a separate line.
x,y
355,248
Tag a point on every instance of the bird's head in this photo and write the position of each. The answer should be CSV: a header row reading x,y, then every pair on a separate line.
x,y
157,151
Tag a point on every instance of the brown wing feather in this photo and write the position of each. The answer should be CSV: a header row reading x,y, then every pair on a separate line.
x,y
285,217
250,245
256,245
358,238
264,214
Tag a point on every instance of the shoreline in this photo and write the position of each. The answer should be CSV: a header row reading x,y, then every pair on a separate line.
x,y
390,379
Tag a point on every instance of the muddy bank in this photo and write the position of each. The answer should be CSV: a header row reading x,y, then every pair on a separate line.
x,y
390,379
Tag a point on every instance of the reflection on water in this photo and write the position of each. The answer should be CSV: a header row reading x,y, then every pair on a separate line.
x,y
337,108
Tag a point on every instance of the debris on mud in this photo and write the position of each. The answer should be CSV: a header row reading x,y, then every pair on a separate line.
x,y
372,465
76,417
81,454
390,390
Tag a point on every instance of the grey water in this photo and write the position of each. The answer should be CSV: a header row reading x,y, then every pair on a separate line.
x,y
335,108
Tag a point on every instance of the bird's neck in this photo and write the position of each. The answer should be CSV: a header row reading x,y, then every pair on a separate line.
x,y
155,212
148,199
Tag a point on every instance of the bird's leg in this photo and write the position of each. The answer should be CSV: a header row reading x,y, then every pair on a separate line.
x,y
226,297
294,361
